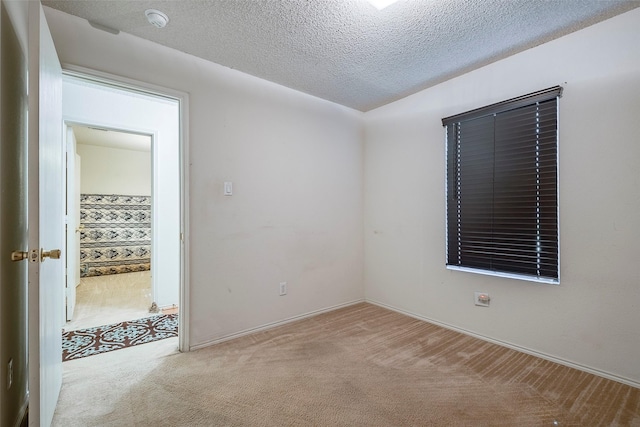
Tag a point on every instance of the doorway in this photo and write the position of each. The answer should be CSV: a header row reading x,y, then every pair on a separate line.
x,y
109,245
152,122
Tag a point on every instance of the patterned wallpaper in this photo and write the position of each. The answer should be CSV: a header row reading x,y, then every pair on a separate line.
x,y
115,235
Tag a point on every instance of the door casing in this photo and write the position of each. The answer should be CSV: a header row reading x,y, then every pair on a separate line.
x,y
72,223
183,100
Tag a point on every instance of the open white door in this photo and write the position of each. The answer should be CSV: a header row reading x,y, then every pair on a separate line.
x,y
46,220
72,255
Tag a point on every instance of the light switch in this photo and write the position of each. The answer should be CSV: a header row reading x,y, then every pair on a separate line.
x,y
228,188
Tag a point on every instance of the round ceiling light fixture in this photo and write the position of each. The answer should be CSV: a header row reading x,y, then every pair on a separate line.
x,y
156,18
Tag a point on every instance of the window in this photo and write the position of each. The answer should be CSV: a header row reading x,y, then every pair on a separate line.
x,y
502,188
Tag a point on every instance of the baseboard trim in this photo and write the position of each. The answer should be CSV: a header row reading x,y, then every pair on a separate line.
x,y
526,350
272,325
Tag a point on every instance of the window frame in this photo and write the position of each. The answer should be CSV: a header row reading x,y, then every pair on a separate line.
x,y
529,100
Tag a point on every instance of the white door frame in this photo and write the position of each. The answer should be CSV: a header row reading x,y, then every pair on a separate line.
x,y
183,99
72,222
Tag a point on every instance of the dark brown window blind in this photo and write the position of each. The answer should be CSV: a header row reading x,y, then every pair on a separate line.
x,y
502,180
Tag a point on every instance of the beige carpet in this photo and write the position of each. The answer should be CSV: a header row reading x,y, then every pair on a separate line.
x,y
102,300
358,366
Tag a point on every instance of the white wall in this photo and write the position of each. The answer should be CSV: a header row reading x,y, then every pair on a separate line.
x,y
14,326
592,317
111,108
296,165
109,170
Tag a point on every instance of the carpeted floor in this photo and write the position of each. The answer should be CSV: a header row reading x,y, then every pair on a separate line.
x,y
101,339
102,300
358,366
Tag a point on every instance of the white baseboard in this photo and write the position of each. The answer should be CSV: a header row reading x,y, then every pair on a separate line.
x,y
541,355
272,325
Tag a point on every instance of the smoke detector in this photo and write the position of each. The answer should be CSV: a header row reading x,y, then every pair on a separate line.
x,y
156,18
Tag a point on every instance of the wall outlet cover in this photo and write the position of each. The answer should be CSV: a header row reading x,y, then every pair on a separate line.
x,y
481,299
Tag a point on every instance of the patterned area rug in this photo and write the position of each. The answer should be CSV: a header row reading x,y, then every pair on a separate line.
x,y
101,339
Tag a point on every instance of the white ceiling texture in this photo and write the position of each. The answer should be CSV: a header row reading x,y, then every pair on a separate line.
x,y
347,51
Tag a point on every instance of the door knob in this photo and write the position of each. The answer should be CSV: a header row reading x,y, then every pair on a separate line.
x,y
19,255
53,254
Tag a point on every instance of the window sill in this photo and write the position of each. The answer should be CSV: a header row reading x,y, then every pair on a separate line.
x,y
506,275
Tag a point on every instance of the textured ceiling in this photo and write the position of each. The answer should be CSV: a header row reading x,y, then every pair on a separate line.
x,y
347,51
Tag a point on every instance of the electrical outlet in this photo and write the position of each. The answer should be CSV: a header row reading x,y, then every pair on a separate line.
x,y
283,288
9,374
482,299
